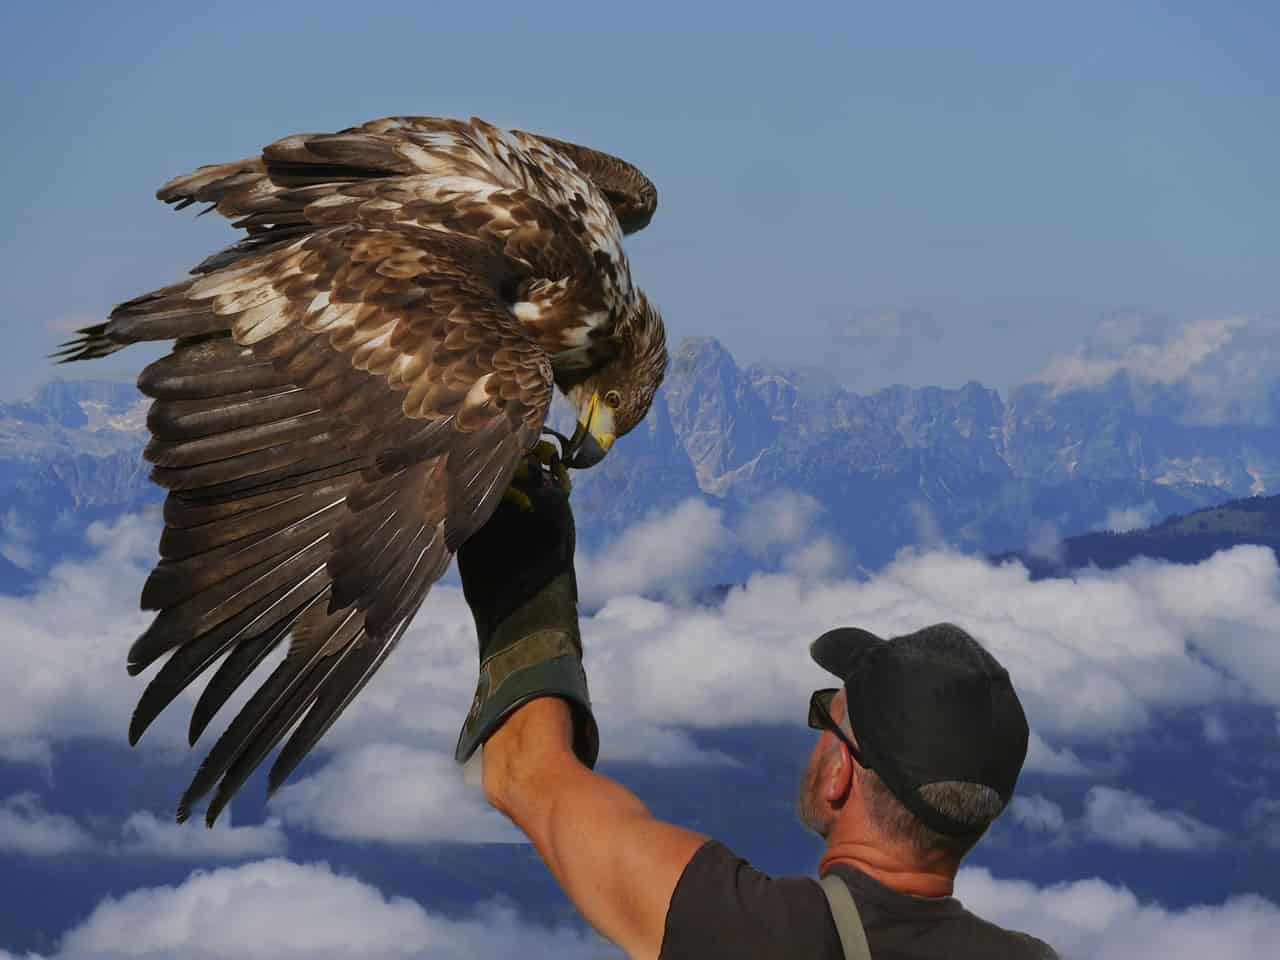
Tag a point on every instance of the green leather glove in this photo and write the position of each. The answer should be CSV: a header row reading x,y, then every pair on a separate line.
x,y
517,576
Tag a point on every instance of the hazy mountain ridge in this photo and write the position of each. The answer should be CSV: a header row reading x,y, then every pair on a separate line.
x,y
69,455
1111,433
1181,538
906,465
896,467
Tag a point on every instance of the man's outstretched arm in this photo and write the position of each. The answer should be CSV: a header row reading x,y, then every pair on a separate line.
x,y
615,860
617,863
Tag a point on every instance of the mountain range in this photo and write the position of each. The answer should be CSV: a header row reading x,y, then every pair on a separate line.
x,y
926,465
901,466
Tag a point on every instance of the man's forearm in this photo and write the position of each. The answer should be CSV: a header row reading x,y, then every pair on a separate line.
x,y
535,741
532,775
616,862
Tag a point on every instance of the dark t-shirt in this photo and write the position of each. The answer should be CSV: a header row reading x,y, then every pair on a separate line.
x,y
723,907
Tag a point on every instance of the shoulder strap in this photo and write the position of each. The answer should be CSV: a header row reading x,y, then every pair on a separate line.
x,y
845,913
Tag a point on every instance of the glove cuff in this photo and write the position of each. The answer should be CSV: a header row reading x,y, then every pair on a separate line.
x,y
535,652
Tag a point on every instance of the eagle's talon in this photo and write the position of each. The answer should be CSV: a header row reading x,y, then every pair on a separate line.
x,y
520,499
546,453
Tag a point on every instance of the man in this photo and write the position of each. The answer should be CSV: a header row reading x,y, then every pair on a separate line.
x,y
919,752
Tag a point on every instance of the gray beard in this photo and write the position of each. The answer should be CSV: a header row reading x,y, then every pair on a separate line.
x,y
808,807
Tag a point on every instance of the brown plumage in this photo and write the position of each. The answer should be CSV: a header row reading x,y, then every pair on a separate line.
x,y
350,390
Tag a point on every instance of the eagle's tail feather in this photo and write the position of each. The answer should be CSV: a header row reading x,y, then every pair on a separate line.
x,y
89,343
228,187
164,314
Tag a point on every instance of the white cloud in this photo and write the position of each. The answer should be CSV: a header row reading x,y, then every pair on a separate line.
x,y
818,558
1095,920
1218,369
1124,519
280,909
1042,758
1092,656
782,519
634,740
929,534
26,828
16,540
1125,819
661,552
1038,812
393,794
144,834
1142,350
1046,544
784,529
70,636
32,750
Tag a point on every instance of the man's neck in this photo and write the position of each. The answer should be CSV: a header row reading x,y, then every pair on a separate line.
x,y
890,868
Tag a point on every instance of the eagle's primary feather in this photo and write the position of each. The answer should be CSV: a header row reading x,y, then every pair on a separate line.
x,y
351,388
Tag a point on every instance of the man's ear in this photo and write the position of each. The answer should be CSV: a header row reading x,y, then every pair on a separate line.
x,y
837,776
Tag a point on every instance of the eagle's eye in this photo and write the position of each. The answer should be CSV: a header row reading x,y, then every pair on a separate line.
x,y
613,399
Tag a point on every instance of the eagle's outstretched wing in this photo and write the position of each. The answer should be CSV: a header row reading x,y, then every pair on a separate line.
x,y
351,388
338,416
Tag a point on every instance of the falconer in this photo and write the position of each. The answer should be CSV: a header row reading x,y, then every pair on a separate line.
x,y
918,752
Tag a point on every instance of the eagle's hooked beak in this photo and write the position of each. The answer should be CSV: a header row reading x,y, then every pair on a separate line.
x,y
592,438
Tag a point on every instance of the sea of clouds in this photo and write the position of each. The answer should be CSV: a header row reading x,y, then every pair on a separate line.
x,y
1095,658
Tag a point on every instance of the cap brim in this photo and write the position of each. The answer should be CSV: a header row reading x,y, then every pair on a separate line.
x,y
837,650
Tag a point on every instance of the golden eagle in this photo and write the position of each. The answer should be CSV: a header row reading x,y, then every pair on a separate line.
x,y
351,389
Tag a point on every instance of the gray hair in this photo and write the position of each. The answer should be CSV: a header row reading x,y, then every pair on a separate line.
x,y
969,803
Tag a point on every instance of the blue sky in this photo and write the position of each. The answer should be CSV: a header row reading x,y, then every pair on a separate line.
x,y
920,193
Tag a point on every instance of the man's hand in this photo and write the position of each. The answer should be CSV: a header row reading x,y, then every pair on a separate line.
x,y
517,576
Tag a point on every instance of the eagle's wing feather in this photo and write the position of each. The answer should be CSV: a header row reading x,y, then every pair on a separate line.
x,y
268,196
631,195
338,415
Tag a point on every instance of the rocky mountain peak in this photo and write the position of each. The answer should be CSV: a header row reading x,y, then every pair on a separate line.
x,y
719,418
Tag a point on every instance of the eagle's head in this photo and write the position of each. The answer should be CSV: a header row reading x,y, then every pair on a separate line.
x,y
613,400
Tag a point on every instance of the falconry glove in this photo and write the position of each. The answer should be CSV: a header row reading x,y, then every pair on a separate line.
x,y
517,576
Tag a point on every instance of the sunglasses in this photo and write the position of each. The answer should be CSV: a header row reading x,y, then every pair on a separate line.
x,y
820,719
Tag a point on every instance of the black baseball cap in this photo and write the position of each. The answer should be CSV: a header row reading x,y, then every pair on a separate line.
x,y
928,707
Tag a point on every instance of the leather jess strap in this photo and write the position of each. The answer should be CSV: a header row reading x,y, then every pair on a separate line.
x,y
845,913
